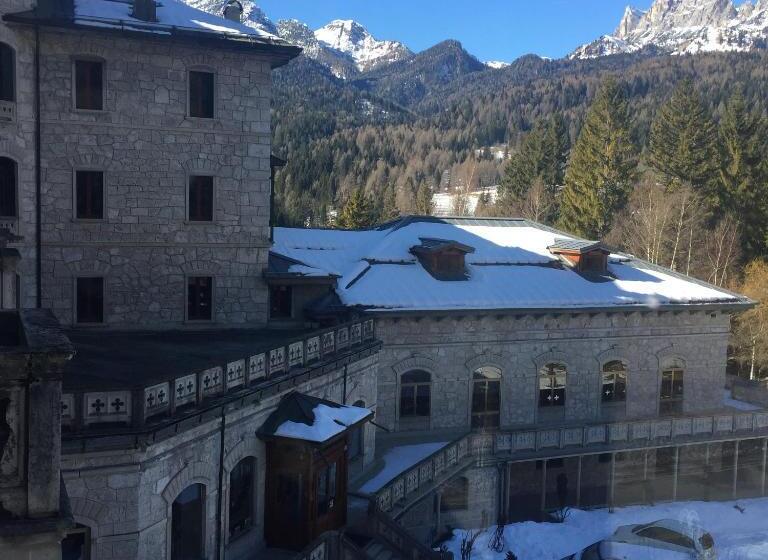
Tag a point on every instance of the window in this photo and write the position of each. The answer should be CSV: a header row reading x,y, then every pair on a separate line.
x,y
199,298
89,195
415,394
200,198
614,381
187,524
280,302
326,489
356,438
671,397
455,495
486,397
552,379
8,207
201,94
7,73
89,85
241,497
77,544
665,535
90,300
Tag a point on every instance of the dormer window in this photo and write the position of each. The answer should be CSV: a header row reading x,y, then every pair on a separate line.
x,y
582,256
442,258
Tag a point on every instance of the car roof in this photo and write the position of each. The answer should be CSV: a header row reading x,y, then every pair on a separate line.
x,y
616,550
683,527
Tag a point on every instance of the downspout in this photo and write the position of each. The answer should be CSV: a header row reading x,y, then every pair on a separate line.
x,y
38,179
344,394
220,504
271,204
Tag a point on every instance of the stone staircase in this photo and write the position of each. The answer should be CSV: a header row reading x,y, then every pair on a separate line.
x,y
379,550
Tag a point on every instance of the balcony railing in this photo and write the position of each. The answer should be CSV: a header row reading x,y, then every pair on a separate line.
x,y
263,371
597,438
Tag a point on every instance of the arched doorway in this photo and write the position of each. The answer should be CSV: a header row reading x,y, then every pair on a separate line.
x,y
188,524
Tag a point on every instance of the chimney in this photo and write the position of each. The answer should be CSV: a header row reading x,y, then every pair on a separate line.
x,y
145,10
233,11
55,9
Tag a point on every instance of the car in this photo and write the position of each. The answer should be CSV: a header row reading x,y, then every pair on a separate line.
x,y
610,549
669,534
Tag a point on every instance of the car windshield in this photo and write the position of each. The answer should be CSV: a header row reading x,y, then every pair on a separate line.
x,y
706,541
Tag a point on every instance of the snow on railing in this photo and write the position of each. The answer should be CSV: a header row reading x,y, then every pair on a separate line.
x,y
507,445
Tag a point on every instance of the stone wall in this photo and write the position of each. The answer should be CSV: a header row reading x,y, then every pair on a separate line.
x,y
147,148
451,348
125,497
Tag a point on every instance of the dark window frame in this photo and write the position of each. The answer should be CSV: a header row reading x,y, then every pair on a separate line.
x,y
327,488
94,312
672,387
416,393
242,499
7,81
196,107
79,529
553,384
101,215
280,315
197,532
89,101
614,382
199,299
196,201
7,202
486,398
356,439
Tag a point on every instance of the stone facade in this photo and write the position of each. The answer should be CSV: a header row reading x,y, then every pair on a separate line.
x,y
451,348
125,496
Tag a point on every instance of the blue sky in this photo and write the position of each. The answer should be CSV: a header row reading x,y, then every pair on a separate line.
x,y
489,29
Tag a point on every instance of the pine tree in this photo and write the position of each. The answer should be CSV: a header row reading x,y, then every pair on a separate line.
x,y
557,144
357,212
603,166
423,202
744,173
683,143
388,210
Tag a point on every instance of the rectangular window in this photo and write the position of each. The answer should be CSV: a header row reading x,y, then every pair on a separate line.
x,y
326,489
7,188
201,94
90,300
89,195
200,198
89,85
280,302
7,73
199,298
241,497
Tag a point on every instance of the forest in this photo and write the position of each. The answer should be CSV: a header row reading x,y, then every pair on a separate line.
x,y
663,157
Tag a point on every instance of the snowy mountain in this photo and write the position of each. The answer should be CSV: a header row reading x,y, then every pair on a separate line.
x,y
353,39
339,63
686,27
496,64
253,16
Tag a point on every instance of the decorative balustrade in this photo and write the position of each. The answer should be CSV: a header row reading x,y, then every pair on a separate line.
x,y
7,111
615,436
163,398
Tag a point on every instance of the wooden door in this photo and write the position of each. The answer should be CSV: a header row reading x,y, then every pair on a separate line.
x,y
330,489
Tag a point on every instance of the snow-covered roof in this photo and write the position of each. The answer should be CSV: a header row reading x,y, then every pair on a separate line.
x,y
171,14
511,268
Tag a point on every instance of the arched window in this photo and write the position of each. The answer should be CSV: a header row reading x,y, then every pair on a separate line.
x,y
415,394
552,379
356,437
672,390
188,524
77,544
7,73
8,181
614,381
242,497
486,397
455,495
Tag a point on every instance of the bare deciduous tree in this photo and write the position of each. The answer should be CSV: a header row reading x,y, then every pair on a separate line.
x,y
750,333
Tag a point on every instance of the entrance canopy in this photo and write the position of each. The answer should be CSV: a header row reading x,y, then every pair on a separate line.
x,y
310,419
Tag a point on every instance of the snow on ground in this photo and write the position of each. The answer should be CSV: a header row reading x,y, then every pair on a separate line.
x,y
728,400
399,459
738,536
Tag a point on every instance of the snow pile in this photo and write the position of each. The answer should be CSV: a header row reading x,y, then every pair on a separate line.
x,y
398,460
729,401
686,27
740,534
329,422
496,64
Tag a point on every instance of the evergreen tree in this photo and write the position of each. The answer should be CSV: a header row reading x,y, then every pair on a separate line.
x,y
557,144
423,202
357,212
603,165
744,172
683,143
388,210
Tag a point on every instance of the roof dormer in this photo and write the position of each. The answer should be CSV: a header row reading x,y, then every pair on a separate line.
x,y
581,255
442,258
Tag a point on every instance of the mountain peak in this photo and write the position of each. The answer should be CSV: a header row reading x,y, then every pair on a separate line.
x,y
686,27
351,38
